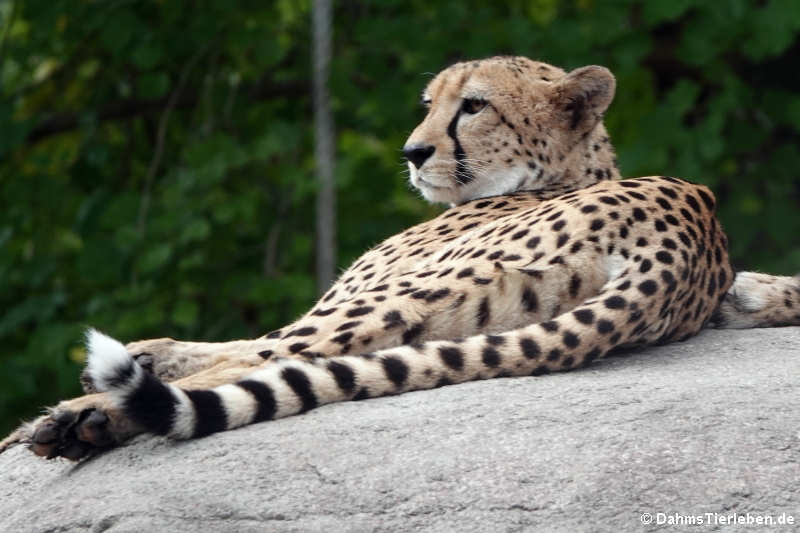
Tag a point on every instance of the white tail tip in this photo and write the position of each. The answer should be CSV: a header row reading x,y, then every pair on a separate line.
x,y
108,362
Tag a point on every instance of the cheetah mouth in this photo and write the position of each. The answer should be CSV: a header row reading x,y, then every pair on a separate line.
x,y
426,183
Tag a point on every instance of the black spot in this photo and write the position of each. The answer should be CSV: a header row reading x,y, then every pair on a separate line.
x,y
495,340
604,326
592,355
266,354
483,312
615,302
343,338
265,398
413,332
551,326
589,208
324,312
299,383
669,279
660,226
668,191
443,382
437,295
554,354
396,370
664,203
274,335
635,195
343,374
540,371
533,242
491,357
360,311
584,316
362,394
597,224
648,287
664,257
559,224
529,300
467,272
707,199
298,347
452,357
645,266
210,415
562,240
692,201
392,319
568,362
574,285
669,244
639,214
712,286
518,235
571,340
529,348
609,200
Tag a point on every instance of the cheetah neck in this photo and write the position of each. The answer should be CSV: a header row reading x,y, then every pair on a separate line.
x,y
590,161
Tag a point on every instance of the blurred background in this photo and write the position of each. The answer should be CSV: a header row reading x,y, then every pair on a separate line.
x,y
157,156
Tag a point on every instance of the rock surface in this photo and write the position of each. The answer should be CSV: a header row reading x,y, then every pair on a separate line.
x,y
710,425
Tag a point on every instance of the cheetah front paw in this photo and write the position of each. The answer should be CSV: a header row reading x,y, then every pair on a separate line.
x,y
71,434
74,429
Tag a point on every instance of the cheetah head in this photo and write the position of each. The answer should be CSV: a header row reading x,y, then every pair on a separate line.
x,y
506,124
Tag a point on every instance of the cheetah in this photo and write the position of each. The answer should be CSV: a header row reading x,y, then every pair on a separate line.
x,y
545,261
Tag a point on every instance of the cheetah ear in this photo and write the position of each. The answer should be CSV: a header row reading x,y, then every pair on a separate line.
x,y
583,95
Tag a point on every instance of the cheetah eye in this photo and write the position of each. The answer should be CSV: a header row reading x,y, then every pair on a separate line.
x,y
473,105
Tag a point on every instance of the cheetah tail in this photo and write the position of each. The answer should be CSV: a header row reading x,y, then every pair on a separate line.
x,y
141,395
288,386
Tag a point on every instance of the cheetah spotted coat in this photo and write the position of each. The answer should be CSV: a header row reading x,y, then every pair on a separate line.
x,y
546,261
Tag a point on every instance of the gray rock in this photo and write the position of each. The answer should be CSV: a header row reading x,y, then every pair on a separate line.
x,y
710,425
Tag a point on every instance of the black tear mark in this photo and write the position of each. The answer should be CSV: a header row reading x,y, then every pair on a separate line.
x,y
463,173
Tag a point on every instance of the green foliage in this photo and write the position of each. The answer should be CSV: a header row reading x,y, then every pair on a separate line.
x,y
156,169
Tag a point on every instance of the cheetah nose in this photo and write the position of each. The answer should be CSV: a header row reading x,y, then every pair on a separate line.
x,y
418,153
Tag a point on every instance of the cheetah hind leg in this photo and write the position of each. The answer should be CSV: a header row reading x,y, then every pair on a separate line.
x,y
758,300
